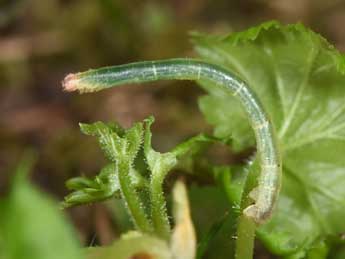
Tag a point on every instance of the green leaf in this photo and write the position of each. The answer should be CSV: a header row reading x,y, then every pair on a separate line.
x,y
191,157
31,225
95,129
159,166
194,145
339,254
210,235
319,251
299,78
115,142
104,186
120,147
132,245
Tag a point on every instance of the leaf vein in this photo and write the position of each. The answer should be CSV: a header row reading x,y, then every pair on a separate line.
x,y
299,94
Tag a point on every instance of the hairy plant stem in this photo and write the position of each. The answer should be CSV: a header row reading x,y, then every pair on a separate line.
x,y
158,207
132,201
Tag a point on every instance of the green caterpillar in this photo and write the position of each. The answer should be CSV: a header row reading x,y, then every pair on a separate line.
x,y
265,195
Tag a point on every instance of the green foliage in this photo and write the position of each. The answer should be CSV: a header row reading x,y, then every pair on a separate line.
x,y
31,225
116,143
104,186
299,79
159,165
138,245
123,178
121,147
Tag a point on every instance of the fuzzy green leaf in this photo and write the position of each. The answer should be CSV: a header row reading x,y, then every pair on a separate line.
x,y
299,78
104,186
114,141
120,147
159,164
31,225
194,145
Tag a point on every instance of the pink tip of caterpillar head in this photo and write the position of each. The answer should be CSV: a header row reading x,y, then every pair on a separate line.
x,y
70,83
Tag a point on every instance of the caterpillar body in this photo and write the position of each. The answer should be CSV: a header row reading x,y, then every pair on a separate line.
x,y
265,195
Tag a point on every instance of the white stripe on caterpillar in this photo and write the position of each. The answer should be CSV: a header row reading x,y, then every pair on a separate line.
x,y
238,90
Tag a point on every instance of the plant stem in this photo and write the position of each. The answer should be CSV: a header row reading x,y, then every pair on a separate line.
x,y
158,207
246,227
130,196
245,238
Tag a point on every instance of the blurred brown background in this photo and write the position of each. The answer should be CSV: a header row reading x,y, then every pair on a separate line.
x,y
43,40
